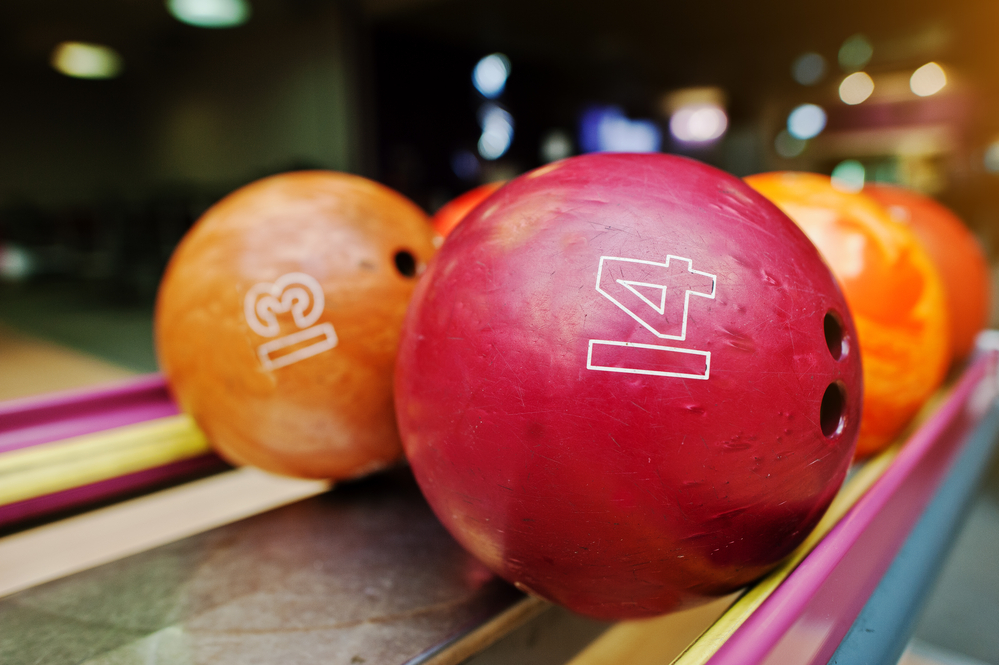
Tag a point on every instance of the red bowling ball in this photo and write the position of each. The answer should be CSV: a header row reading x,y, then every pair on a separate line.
x,y
628,384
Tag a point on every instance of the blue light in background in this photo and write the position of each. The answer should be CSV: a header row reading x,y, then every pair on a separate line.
x,y
490,75
497,131
806,121
608,129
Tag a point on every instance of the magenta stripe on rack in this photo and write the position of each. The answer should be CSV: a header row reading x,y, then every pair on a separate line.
x,y
31,421
146,479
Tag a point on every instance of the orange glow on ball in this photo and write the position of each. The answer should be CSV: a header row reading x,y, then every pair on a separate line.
x,y
455,210
954,251
278,319
894,291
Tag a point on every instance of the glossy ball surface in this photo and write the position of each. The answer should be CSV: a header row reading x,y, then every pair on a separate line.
x,y
455,210
616,387
956,254
278,318
895,294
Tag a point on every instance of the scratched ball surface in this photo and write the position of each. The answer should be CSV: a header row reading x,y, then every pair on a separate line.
x,y
956,254
895,294
278,318
628,384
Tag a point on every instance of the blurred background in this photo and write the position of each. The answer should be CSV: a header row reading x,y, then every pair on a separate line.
x,y
123,120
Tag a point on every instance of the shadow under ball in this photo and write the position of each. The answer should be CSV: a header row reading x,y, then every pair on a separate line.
x,y
278,319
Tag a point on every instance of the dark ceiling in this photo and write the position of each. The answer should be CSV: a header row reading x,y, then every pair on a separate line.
x,y
745,47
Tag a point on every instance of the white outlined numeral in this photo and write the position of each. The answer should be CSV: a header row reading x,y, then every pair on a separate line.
x,y
302,296
660,286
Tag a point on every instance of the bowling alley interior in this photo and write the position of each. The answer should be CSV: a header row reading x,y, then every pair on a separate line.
x,y
427,332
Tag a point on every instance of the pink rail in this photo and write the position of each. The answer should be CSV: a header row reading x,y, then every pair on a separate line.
x,y
805,619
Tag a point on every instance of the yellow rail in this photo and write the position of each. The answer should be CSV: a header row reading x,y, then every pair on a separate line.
x,y
82,460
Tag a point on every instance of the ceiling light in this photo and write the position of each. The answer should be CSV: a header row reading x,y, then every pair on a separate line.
x,y
86,61
210,13
928,80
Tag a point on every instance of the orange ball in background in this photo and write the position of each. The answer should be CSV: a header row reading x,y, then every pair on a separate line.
x,y
455,210
278,318
894,291
955,252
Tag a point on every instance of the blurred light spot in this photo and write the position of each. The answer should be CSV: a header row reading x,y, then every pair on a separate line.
x,y
675,100
808,68
928,79
900,214
15,263
210,13
465,165
788,146
490,74
497,131
856,87
848,176
992,158
855,53
698,123
86,61
608,129
807,121
555,145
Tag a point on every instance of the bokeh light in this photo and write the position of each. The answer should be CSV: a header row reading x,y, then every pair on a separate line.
x,y
698,123
848,176
490,75
497,131
856,88
16,263
808,68
855,53
210,13
86,61
555,145
928,80
991,160
788,146
806,121
608,129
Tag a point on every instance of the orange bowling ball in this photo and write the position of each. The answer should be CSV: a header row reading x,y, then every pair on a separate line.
x,y
957,255
278,318
893,289
456,209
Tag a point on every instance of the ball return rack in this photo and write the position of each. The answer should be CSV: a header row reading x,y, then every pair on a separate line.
x,y
124,539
